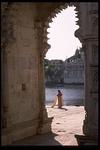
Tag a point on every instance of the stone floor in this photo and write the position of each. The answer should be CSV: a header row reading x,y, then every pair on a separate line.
x,y
66,123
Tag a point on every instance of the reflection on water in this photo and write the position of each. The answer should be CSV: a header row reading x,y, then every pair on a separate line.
x,y
72,95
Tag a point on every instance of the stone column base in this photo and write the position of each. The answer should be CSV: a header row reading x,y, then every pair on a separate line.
x,y
19,131
86,140
46,126
5,137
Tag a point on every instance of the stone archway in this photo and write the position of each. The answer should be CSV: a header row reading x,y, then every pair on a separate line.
x,y
22,67
89,40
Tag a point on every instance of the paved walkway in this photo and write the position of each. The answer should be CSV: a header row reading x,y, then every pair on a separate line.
x,y
67,122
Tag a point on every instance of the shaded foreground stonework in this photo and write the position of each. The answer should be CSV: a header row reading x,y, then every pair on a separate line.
x,y
24,45
62,130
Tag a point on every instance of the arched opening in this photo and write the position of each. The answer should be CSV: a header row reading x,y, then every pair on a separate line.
x,y
20,105
74,84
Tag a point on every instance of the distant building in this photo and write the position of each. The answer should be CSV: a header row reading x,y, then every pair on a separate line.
x,y
74,68
71,71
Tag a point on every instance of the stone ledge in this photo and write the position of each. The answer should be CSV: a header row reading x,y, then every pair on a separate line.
x,y
18,132
23,133
86,140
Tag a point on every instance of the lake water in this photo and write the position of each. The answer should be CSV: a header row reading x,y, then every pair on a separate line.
x,y
72,94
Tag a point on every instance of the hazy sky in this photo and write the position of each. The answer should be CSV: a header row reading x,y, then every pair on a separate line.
x,y
61,33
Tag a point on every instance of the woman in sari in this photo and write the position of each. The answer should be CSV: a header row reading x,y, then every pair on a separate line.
x,y
58,99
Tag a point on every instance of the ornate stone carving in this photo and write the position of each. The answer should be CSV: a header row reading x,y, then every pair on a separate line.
x,y
94,80
94,28
7,33
94,6
94,58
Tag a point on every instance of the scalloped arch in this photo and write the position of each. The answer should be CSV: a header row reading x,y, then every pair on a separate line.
x,y
53,14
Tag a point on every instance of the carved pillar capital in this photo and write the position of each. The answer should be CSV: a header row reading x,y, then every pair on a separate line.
x,y
41,34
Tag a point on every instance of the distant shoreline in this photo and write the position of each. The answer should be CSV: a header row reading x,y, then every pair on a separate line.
x,y
64,85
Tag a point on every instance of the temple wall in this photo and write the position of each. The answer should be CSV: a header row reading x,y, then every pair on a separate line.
x,y
22,73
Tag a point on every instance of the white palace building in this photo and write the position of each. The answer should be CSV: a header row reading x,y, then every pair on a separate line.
x,y
74,68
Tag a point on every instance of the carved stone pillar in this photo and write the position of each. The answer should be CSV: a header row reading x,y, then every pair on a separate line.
x,y
7,38
5,117
44,121
88,33
90,126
